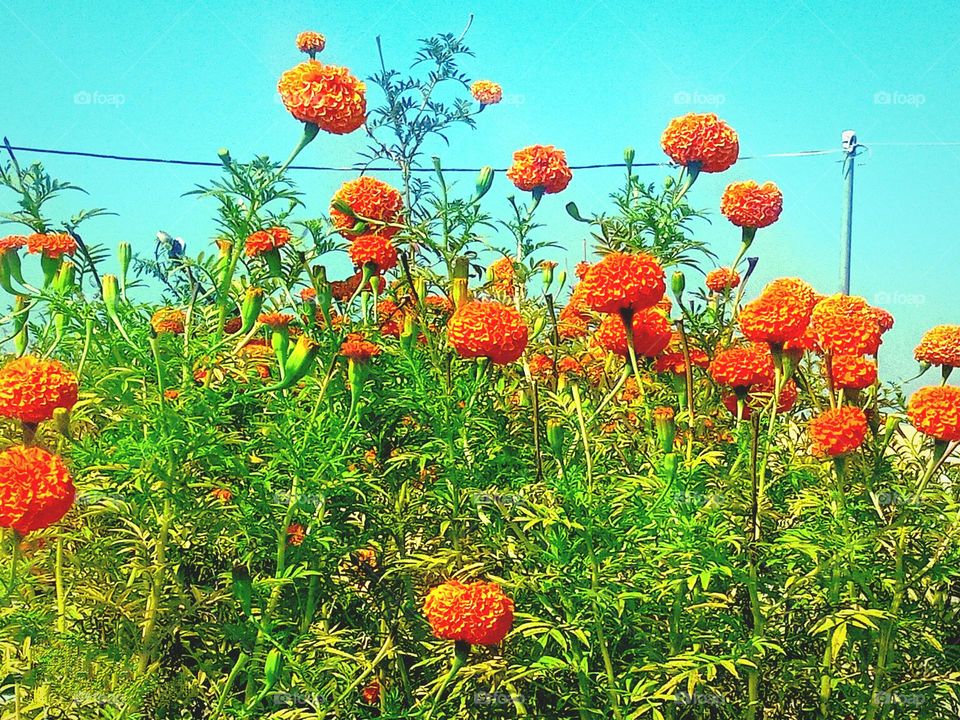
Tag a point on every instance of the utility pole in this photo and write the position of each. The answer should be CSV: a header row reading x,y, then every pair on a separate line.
x,y
848,142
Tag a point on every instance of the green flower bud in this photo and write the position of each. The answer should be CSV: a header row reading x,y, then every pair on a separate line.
x,y
250,308
300,360
271,669
124,255
677,284
555,435
484,182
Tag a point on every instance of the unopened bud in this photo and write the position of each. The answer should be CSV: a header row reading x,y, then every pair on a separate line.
x,y
484,182
250,308
666,428
677,284
555,435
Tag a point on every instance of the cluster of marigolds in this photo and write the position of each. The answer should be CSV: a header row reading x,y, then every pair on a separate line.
x,y
619,304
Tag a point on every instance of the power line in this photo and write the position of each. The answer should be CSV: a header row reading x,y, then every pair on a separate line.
x,y
329,168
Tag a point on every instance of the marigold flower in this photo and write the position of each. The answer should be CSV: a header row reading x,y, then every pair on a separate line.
x,y
845,325
12,242
743,367
308,294
36,489
439,304
540,166
324,95
358,349
884,318
674,361
168,320
343,290
31,389
504,275
569,366
804,342
747,204
370,200
486,92
721,279
651,334
264,241
940,345
935,411
310,42
701,138
852,372
797,289
171,394
221,494
376,249
620,281
53,245
486,328
760,397
774,317
371,693
574,318
276,320
581,269
478,613
296,534
837,432
390,318
541,365
232,325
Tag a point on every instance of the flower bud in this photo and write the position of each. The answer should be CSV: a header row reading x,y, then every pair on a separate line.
x,y
21,313
250,308
555,434
666,428
224,156
628,156
271,668
459,289
300,360
484,182
561,280
124,255
66,278
677,284
50,266
111,296
548,267
538,325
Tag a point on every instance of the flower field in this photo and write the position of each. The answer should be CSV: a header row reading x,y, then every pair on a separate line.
x,y
461,482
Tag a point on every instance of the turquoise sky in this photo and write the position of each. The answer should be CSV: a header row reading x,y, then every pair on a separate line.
x,y
182,79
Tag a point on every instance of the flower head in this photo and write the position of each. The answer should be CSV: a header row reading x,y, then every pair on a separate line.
x,y
701,138
651,334
760,396
276,320
486,92
541,366
12,242
296,534
355,347
486,328
310,42
540,166
837,432
743,367
168,320
371,201
719,280
504,275
846,325
31,389
620,281
375,249
52,245
775,317
852,372
264,241
674,361
324,95
36,489
308,294
478,613
747,204
940,345
935,411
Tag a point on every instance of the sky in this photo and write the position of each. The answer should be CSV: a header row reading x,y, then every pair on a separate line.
x,y
180,80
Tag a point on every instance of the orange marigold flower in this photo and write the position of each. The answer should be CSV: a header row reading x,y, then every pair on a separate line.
x,y
486,92
376,249
747,204
36,489
775,317
486,328
358,349
370,200
701,138
264,241
541,366
845,325
797,289
804,342
371,693
311,42
390,317
743,367
296,534
620,281
940,345
31,389
478,613
168,320
760,397
935,411
540,166
324,95
673,359
837,432
12,242
719,280
884,318
439,304
221,494
569,366
171,394
504,275
343,290
651,334
308,294
276,319
232,325
581,269
52,245
852,372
